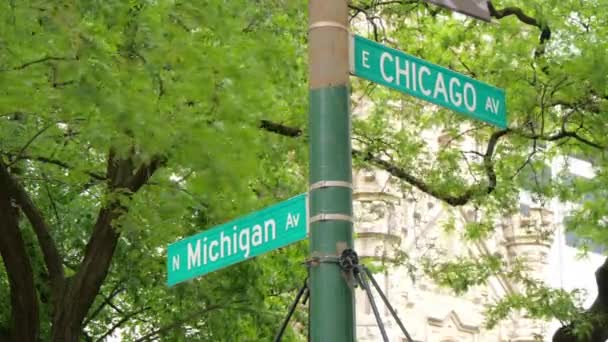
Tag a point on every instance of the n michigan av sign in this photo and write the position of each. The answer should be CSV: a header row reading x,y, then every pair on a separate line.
x,y
244,238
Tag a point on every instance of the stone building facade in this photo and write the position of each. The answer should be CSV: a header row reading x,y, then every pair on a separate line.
x,y
395,228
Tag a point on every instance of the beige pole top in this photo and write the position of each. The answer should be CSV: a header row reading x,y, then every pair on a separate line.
x,y
328,39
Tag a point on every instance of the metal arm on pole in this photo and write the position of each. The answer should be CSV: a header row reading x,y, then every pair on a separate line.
x,y
292,309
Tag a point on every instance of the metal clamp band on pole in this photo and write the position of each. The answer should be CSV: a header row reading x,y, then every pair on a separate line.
x,y
327,184
331,217
328,258
320,24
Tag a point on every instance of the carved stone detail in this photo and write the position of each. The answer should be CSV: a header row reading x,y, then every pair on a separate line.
x,y
390,225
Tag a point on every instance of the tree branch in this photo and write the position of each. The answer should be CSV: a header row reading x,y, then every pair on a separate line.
x,y
28,143
43,60
545,34
400,173
107,300
588,105
596,315
145,171
280,129
561,134
487,158
50,252
24,321
188,318
122,321
62,164
382,3
51,199
123,179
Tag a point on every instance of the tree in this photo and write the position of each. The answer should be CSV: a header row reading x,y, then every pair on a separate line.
x,y
105,106
127,125
550,58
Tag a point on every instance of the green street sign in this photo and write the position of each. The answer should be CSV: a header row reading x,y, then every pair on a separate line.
x,y
244,238
427,81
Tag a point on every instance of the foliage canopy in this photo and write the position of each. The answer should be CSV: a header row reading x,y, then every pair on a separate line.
x,y
129,124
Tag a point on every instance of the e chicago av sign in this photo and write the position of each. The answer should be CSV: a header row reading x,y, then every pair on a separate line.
x,y
427,81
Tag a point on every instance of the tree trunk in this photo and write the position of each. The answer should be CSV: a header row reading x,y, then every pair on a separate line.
x,y
25,323
82,289
74,296
597,314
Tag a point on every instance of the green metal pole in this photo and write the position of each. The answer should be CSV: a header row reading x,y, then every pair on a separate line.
x,y
332,306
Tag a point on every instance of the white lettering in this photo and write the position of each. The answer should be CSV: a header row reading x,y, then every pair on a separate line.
x,y
414,76
489,106
292,221
423,70
496,105
440,87
364,55
256,238
273,225
402,72
213,257
176,262
194,256
384,56
205,251
455,97
225,241
492,105
244,243
296,219
473,104
234,239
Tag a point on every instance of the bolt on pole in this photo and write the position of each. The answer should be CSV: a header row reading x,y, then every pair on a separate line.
x,y
332,308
